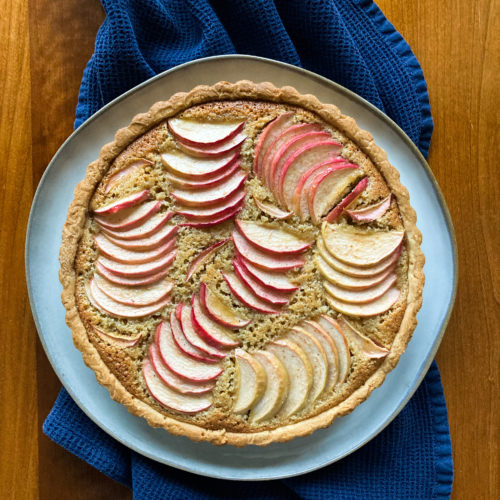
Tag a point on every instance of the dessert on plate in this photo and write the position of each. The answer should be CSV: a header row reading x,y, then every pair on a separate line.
x,y
241,265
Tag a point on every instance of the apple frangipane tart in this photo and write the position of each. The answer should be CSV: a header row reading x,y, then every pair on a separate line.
x,y
241,265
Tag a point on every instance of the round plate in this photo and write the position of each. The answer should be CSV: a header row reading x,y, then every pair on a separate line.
x,y
48,213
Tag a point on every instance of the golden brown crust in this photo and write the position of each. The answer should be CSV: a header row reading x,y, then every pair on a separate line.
x,y
77,215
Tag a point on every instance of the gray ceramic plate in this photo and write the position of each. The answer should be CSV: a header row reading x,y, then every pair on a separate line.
x,y
48,214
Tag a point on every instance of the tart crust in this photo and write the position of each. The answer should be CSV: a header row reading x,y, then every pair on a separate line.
x,y
141,123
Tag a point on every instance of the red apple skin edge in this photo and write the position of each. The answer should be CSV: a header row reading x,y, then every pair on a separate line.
x,y
275,253
336,212
190,142
129,201
204,334
199,258
203,300
280,121
214,222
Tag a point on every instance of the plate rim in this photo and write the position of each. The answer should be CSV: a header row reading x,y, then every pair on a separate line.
x,y
424,366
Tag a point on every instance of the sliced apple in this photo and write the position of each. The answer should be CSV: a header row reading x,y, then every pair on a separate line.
x,y
251,381
106,304
272,210
299,162
210,330
378,306
192,336
370,348
328,188
213,222
222,149
201,134
300,196
274,280
146,229
213,211
270,158
120,254
360,296
119,341
265,260
127,202
120,280
213,195
336,212
270,239
220,311
196,168
131,168
317,358
360,247
262,292
287,151
330,349
372,212
267,136
134,296
246,296
149,243
358,272
349,282
172,380
299,371
211,181
182,365
276,390
181,340
129,218
333,329
182,403
137,270
203,257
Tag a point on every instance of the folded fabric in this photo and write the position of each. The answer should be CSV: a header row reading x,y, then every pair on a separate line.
x,y
352,43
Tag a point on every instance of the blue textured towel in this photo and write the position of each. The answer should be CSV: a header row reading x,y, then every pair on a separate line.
x,y
352,43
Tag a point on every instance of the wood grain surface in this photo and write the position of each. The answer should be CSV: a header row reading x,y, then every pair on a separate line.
x,y
44,48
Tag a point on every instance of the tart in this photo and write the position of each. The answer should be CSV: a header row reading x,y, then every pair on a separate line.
x,y
241,265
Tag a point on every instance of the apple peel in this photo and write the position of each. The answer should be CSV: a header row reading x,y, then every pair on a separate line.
x,y
212,195
262,259
270,239
127,202
370,348
134,296
172,380
146,229
182,403
132,168
196,168
360,247
246,296
215,150
201,134
336,212
219,311
378,306
118,340
272,210
130,217
267,136
372,212
204,256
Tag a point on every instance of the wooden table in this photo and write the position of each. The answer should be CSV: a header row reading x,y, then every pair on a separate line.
x,y
45,46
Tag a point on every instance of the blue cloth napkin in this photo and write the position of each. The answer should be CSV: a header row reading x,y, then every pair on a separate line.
x,y
352,43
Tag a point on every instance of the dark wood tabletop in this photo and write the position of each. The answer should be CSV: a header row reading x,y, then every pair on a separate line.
x,y
45,45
